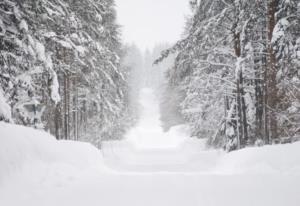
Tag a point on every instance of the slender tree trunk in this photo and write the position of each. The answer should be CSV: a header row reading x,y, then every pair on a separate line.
x,y
244,110
85,115
272,70
266,110
69,105
57,121
75,108
226,105
258,100
239,113
66,106
241,106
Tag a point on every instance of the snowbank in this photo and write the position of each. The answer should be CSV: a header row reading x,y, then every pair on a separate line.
x,y
278,159
25,149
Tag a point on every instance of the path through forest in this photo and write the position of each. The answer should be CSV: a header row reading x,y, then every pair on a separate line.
x,y
153,168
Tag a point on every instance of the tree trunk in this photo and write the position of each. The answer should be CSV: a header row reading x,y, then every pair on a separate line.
x,y
57,121
66,106
244,110
258,100
75,108
226,107
272,70
239,113
240,100
266,110
85,118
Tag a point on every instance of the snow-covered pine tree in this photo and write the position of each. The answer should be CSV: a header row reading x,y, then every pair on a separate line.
x,y
25,64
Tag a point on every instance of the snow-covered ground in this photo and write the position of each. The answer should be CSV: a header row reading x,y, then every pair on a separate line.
x,y
148,133
148,168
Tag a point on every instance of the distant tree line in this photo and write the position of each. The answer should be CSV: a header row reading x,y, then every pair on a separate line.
x,y
237,71
60,68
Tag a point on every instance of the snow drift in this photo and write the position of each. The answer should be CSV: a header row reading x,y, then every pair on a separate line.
x,y
279,159
26,149
34,152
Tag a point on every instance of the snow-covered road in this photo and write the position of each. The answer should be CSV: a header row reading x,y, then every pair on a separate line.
x,y
147,148
158,189
148,168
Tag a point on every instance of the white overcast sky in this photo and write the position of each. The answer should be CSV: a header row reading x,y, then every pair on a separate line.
x,y
147,22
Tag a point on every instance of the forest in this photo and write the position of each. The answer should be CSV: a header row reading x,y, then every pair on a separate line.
x,y
60,68
149,103
237,72
233,77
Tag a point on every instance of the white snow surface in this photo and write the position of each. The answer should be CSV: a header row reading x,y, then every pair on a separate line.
x,y
34,152
148,133
148,168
